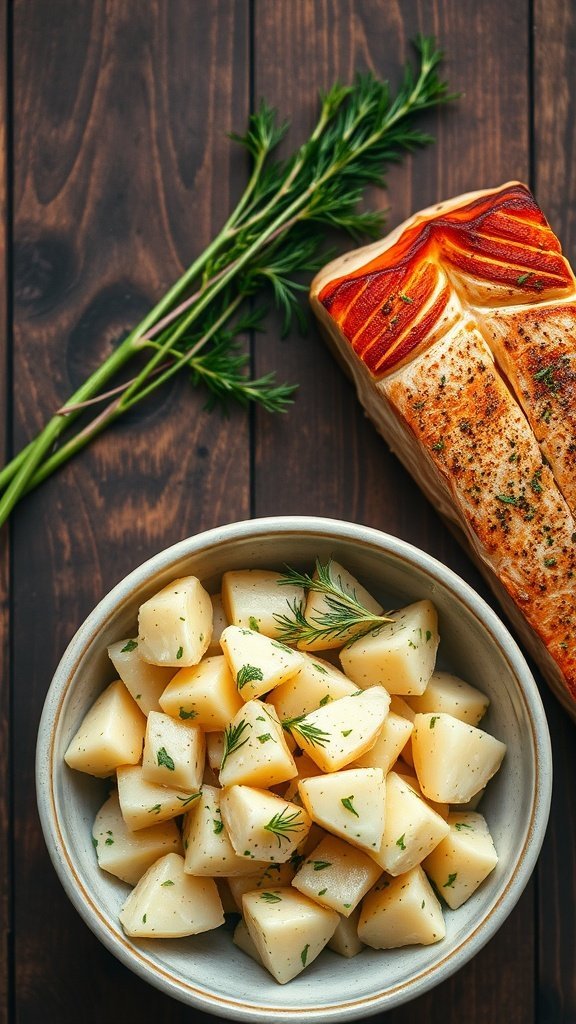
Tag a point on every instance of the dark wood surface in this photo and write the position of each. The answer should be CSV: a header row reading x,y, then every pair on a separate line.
x,y
115,170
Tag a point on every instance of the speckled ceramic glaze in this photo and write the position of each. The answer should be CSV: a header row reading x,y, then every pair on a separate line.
x,y
207,971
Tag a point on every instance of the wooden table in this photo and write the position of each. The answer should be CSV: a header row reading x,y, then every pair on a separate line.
x,y
116,170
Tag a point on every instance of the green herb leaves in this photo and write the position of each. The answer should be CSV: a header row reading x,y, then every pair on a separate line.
x,y
164,760
284,823
344,615
276,231
233,739
248,674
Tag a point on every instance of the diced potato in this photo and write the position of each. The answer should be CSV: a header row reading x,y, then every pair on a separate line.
x,y
256,662
262,826
345,940
252,598
453,760
411,828
207,847
175,626
215,749
268,877
342,730
144,803
241,938
317,606
205,694
167,903
174,753
350,804
255,750
144,682
462,861
110,734
400,655
126,854
317,683
410,779
336,875
452,695
401,911
287,929
219,623
391,740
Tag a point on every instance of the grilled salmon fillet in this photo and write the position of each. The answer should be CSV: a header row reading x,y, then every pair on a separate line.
x,y
459,331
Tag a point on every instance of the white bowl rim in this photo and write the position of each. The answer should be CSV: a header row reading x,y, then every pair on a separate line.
x,y
130,956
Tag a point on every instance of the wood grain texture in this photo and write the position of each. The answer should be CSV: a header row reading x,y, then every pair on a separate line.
x,y
5,741
122,174
555,181
324,457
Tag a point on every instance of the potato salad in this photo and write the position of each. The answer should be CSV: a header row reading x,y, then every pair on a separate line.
x,y
287,752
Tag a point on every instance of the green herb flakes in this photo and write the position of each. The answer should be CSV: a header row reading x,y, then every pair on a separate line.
x,y
187,714
164,760
346,802
248,674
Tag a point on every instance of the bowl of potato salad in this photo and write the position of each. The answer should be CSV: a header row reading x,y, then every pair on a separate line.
x,y
295,769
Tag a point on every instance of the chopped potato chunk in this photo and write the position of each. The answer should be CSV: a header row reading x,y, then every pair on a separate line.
x,y
205,694
110,734
208,850
400,655
448,693
342,730
174,752
453,760
255,749
270,876
168,903
317,683
257,663
128,854
175,626
336,875
287,929
349,804
144,803
401,912
261,825
390,743
462,861
252,598
411,828
144,682
345,940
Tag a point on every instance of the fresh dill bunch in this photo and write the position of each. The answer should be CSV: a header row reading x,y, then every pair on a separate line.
x,y
276,230
284,823
345,617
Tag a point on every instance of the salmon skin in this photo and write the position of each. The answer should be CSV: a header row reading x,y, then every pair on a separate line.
x,y
459,331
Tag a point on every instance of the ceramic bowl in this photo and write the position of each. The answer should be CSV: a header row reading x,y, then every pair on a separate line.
x,y
207,971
